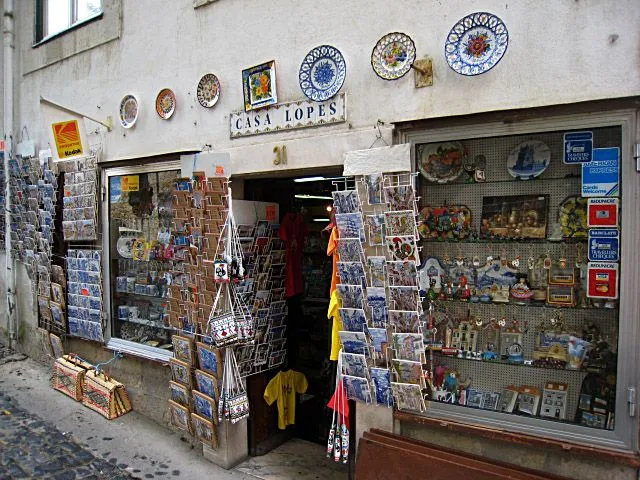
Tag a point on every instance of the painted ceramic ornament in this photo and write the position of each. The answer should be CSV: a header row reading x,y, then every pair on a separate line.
x,y
402,247
529,159
430,275
393,56
166,103
259,86
129,109
440,162
208,90
322,73
476,43
451,222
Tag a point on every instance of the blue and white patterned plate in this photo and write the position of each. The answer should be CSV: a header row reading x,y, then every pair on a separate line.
x,y
322,73
476,43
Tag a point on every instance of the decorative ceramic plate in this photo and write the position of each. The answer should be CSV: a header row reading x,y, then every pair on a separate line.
x,y
322,73
393,56
476,43
124,246
572,216
208,91
529,159
441,162
129,108
166,103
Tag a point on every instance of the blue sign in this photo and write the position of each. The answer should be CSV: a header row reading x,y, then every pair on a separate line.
x,y
578,147
115,189
604,245
600,177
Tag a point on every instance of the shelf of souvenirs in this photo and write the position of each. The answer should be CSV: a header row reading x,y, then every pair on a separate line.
x,y
494,359
133,294
469,182
146,323
611,305
500,240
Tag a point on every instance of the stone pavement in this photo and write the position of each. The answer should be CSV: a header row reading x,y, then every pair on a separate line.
x,y
33,448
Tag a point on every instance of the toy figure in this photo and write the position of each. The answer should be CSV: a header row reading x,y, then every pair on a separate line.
x,y
463,288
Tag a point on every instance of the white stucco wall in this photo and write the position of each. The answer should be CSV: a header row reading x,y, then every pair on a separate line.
x,y
560,51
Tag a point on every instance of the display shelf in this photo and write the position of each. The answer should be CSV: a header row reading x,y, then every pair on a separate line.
x,y
437,351
440,303
537,241
569,176
117,294
146,322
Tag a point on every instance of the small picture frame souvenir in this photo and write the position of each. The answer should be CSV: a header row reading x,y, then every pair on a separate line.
x,y
508,399
56,345
406,371
57,294
183,349
490,401
180,416
181,372
528,400
380,377
179,393
204,406
408,346
354,364
206,383
357,388
513,217
209,359
259,86
474,398
204,430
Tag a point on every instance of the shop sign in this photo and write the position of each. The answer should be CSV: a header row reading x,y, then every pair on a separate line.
x,y
130,183
604,245
602,212
67,138
600,177
115,190
578,147
288,116
602,280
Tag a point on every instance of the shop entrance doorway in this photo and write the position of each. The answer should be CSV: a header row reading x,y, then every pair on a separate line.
x,y
304,209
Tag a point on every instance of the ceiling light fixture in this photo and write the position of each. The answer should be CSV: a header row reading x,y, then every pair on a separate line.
x,y
315,179
325,220
304,196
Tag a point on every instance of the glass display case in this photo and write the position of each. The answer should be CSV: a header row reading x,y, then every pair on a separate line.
x,y
140,259
521,249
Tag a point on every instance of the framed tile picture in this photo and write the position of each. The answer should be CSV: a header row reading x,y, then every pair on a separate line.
x,y
259,86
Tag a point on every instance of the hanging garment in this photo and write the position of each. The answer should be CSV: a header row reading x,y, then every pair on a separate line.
x,y
283,388
332,250
293,231
334,313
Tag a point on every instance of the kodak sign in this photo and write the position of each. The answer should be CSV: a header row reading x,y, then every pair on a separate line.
x,y
67,138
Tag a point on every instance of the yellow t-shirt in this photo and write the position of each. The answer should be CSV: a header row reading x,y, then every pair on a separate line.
x,y
334,313
283,387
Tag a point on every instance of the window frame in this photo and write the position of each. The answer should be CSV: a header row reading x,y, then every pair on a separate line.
x,y
624,436
40,21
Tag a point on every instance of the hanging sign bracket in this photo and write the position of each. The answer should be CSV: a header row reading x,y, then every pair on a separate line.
x,y
108,124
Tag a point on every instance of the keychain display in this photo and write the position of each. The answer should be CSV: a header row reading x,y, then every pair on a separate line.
x,y
233,405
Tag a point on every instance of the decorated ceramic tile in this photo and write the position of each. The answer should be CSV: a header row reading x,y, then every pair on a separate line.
x,y
380,378
400,197
354,342
377,302
346,201
408,396
476,43
404,298
350,225
259,86
404,321
399,223
408,346
375,229
405,371
354,364
379,339
322,73
402,248
350,249
373,183
351,273
357,388
402,274
377,267
353,319
352,296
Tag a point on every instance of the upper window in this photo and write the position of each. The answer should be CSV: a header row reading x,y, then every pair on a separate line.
x,y
56,16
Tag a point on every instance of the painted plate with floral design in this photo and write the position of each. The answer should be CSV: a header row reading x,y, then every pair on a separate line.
x,y
572,216
322,73
129,108
208,91
393,56
440,162
166,103
476,44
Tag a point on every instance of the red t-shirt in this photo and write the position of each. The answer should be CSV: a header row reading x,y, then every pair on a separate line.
x,y
293,231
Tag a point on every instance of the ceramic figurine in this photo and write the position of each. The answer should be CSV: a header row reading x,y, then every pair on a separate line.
x,y
463,288
521,291
431,293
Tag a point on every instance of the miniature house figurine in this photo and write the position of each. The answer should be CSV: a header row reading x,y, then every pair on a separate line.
x,y
465,337
508,337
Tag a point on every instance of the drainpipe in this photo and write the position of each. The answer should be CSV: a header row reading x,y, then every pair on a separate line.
x,y
9,46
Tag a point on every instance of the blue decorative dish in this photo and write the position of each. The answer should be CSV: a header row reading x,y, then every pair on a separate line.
x,y
476,44
322,73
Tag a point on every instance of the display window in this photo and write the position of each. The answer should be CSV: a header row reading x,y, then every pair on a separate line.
x,y
521,243
140,238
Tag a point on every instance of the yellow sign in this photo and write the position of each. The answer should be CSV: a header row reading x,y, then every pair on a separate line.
x,y
67,137
130,183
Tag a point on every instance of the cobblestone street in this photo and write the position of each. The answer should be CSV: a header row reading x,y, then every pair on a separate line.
x,y
33,448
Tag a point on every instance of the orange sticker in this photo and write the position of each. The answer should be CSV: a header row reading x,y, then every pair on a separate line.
x,y
271,213
67,138
219,170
